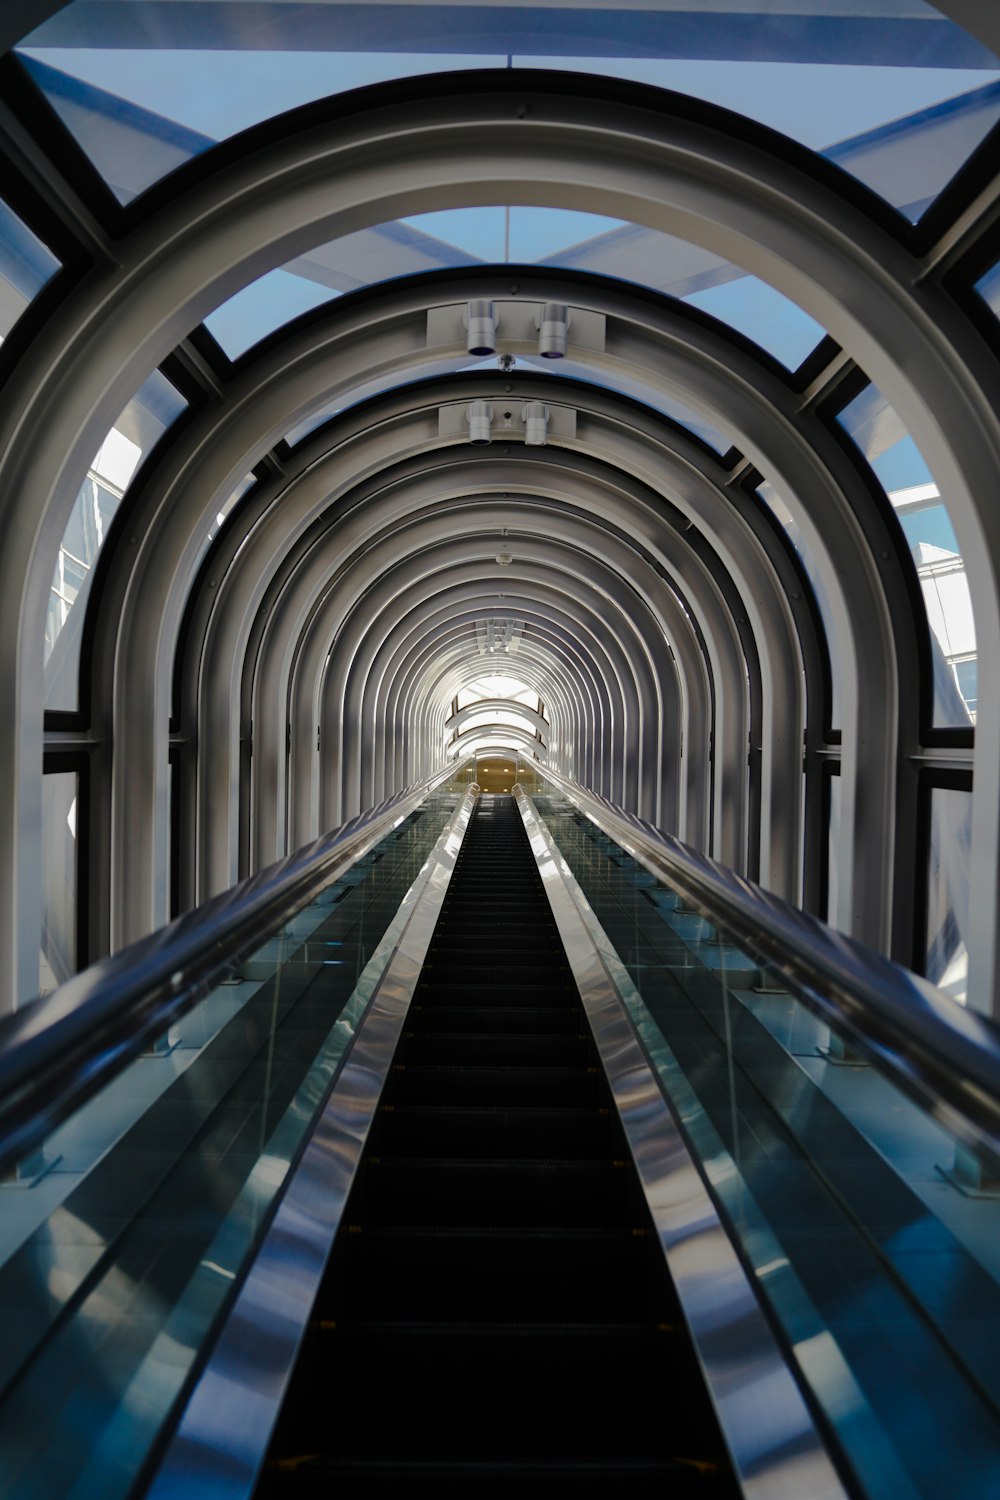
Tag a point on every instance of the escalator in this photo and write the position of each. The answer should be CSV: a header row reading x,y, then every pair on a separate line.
x,y
496,1302
380,1166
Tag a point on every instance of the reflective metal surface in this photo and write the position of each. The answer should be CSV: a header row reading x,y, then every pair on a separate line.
x,y
223,1434
770,1432
881,1282
59,1051
947,1057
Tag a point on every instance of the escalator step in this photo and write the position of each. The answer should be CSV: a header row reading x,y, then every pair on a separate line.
x,y
461,1274
466,992
507,1020
472,958
519,1193
484,940
430,1084
476,1131
501,1391
312,1476
499,1050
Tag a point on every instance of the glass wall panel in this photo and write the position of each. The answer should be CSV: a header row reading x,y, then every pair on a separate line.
x,y
833,1184
116,1267
57,959
897,95
25,266
988,288
517,234
921,511
146,417
948,889
266,304
528,775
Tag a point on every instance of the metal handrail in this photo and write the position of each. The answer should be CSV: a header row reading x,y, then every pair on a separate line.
x,y
945,1056
60,1049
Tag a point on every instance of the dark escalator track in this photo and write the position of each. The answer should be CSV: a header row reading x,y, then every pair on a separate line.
x,y
496,1304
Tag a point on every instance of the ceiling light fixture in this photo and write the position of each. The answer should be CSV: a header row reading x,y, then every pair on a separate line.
x,y
535,416
480,419
552,322
480,319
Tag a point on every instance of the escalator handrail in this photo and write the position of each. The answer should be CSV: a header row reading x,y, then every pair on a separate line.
x,y
945,1055
59,1050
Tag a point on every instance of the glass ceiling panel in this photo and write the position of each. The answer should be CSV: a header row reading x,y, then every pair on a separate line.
x,y
498,716
988,288
25,266
258,309
550,237
139,427
892,90
922,513
497,685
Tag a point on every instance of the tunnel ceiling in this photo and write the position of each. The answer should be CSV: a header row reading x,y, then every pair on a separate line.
x,y
612,386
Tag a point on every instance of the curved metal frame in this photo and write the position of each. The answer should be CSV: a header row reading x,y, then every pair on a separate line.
x,y
769,214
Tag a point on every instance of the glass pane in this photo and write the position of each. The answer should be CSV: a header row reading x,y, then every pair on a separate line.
x,y
528,776
497,685
898,96
266,304
499,716
57,960
139,111
988,288
152,409
25,266
883,1280
550,237
948,890
922,513
760,312
147,1203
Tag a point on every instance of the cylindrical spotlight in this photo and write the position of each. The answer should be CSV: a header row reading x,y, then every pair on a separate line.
x,y
535,416
480,419
480,319
553,330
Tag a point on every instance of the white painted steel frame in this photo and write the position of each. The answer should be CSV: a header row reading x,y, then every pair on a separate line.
x,y
774,216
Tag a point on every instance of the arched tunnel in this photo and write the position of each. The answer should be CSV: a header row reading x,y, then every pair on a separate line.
x,y
719,603
612,391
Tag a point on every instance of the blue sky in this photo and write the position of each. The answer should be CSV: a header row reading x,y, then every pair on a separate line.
x,y
220,93
747,304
